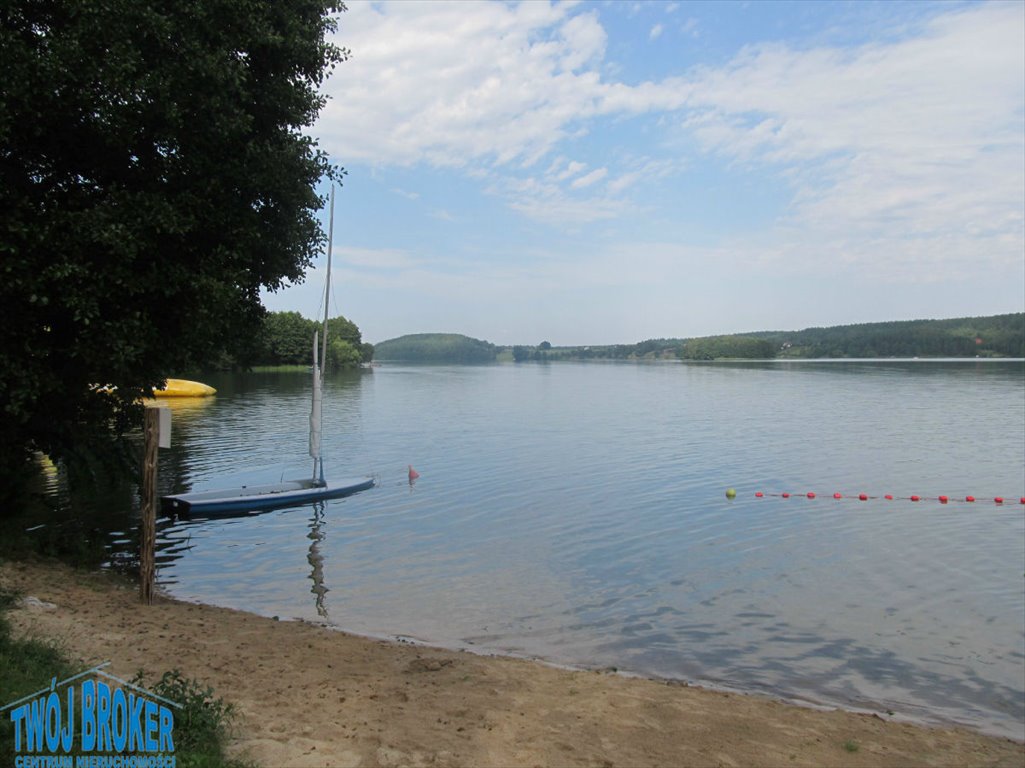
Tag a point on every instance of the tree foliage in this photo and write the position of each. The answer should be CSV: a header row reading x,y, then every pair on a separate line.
x,y
995,336
727,347
154,176
539,353
287,339
436,348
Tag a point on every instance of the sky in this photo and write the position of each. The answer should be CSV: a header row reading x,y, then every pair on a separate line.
x,y
609,172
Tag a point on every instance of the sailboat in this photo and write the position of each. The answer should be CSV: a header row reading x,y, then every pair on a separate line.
x,y
248,498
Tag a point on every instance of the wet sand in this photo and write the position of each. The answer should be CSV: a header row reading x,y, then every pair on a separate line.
x,y
312,696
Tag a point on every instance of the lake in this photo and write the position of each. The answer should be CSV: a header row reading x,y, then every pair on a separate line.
x,y
577,513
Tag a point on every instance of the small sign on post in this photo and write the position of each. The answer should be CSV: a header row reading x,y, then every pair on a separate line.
x,y
165,428
157,432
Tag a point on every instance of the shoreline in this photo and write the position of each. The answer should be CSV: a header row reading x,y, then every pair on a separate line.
x,y
922,719
915,715
312,695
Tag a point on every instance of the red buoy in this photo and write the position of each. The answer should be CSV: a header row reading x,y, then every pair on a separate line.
x,y
413,474
969,498
916,498
811,494
837,496
999,499
863,496
888,497
1022,499
786,495
759,494
944,499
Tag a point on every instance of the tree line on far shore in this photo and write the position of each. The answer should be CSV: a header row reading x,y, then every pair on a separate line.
x,y
995,336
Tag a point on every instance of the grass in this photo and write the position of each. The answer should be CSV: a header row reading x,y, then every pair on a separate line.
x,y
851,745
201,727
26,666
280,368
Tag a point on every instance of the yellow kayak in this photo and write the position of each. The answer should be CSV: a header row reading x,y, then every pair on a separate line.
x,y
184,388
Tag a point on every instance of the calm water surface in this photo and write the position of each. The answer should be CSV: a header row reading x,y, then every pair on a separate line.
x,y
576,512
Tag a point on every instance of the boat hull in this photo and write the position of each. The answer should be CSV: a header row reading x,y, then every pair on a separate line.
x,y
260,497
184,388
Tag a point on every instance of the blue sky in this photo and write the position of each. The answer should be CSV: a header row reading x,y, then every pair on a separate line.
x,y
608,172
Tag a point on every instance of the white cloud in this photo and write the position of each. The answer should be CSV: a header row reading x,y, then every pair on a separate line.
x,y
457,84
900,155
645,169
588,179
896,153
656,32
376,258
450,84
546,200
572,169
564,211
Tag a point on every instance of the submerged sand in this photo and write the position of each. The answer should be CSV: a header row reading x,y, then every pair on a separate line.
x,y
313,696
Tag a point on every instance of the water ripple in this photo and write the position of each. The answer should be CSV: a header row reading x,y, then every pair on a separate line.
x,y
576,512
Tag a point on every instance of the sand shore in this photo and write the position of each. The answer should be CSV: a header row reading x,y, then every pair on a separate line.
x,y
311,696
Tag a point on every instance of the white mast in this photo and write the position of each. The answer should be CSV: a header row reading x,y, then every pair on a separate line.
x,y
316,413
327,290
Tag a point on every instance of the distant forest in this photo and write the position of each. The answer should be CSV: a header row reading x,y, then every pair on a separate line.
x,y
995,336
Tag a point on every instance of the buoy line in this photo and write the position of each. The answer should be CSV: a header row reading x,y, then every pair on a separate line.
x,y
942,499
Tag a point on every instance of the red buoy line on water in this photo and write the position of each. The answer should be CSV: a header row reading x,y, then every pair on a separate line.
x,y
888,497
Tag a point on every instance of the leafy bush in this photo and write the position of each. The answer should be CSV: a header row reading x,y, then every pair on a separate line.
x,y
203,723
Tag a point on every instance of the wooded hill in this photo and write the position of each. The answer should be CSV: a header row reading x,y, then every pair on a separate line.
x,y
995,336
436,348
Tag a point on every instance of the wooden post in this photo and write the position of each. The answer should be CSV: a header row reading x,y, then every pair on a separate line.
x,y
147,530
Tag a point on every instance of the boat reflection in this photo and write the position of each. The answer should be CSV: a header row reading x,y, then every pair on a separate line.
x,y
316,559
174,539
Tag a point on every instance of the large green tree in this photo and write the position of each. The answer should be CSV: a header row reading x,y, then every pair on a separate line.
x,y
287,337
154,175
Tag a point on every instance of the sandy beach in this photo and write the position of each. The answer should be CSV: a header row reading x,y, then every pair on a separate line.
x,y
313,696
